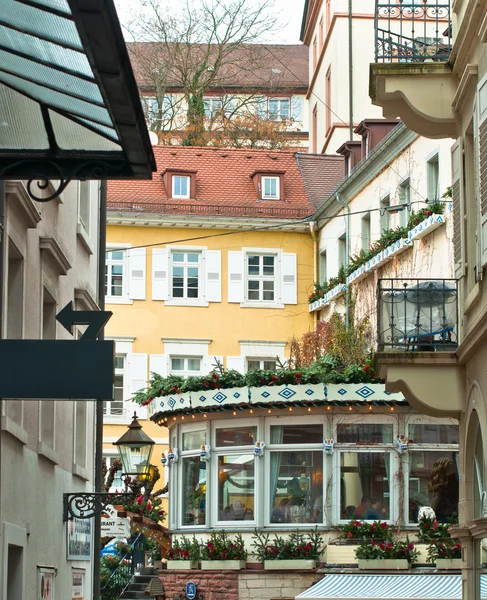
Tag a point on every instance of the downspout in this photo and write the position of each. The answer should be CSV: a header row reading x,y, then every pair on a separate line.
x,y
316,272
102,238
350,67
2,273
347,258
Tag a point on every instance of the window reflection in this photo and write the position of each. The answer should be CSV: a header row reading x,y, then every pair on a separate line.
x,y
194,491
236,490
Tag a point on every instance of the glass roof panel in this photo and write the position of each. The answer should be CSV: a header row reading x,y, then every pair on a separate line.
x,y
59,5
36,21
106,130
45,51
58,100
70,135
21,124
14,64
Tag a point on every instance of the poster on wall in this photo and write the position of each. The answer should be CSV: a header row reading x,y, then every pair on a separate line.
x,y
78,584
79,539
46,583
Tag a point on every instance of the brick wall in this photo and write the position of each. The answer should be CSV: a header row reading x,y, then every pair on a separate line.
x,y
241,585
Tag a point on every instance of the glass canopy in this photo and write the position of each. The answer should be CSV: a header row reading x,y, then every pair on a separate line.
x,y
69,105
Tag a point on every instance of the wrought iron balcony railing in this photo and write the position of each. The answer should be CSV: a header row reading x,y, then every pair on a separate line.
x,y
418,315
412,31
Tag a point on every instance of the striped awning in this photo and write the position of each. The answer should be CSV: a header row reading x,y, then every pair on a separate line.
x,y
389,587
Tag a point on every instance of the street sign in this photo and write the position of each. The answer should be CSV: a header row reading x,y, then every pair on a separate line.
x,y
190,590
60,369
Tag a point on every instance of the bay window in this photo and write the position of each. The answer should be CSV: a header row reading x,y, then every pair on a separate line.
x,y
193,478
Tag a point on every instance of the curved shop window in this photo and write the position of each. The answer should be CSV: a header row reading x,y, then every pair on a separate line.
x,y
193,473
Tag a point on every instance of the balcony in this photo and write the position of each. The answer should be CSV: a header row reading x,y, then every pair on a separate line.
x,y
418,315
411,77
417,338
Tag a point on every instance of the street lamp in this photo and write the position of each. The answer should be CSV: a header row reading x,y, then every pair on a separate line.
x,y
135,450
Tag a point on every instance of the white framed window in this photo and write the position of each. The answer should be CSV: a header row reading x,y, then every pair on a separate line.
x,y
271,188
115,408
384,205
125,274
433,176
181,186
405,198
115,273
186,275
366,467
261,277
212,105
84,205
186,366
158,111
117,483
268,364
366,232
194,471
432,473
279,109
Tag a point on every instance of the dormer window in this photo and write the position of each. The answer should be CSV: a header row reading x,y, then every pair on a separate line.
x,y
180,186
270,188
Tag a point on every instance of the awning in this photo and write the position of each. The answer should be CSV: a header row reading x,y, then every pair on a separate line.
x,y
389,587
69,104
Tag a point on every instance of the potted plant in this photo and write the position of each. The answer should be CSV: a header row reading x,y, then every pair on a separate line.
x,y
432,532
221,552
446,554
183,553
298,551
342,550
386,554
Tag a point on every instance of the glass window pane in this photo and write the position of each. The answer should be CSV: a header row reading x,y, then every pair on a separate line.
x,y
177,257
193,440
115,254
193,257
236,436
376,433
296,487
364,485
119,362
236,489
253,365
269,260
253,285
194,491
270,365
297,434
420,433
193,272
177,364
268,286
194,364
269,296
433,481
253,295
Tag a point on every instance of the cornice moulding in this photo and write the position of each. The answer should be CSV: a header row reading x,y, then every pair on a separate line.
x,y
53,251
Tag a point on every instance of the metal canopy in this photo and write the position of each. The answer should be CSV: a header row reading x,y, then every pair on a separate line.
x,y
69,105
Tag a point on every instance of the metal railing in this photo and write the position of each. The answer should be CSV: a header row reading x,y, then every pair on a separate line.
x,y
412,31
122,576
417,314
209,210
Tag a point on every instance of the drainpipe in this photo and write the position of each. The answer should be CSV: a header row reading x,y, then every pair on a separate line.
x,y
99,403
2,258
347,258
350,66
313,229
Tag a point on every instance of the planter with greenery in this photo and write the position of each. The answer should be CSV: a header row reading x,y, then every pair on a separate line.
x,y
386,554
146,507
184,553
223,552
298,551
342,550
446,554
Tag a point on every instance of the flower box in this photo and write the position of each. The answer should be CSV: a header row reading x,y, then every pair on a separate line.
x,y
341,554
357,275
448,563
182,564
395,249
222,565
426,227
396,564
296,564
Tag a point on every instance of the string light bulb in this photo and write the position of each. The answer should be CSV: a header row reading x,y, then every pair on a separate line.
x,y
290,409
234,413
309,408
193,417
392,409
328,407
182,417
204,415
174,418
370,407
350,408
269,411
251,411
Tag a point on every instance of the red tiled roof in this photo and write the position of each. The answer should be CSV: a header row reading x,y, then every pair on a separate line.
x,y
321,174
223,184
271,66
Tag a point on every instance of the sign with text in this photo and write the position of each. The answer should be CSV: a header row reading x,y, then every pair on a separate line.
x,y
191,590
77,585
114,526
79,539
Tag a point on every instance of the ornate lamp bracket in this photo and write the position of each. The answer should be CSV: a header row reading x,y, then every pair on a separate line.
x,y
84,505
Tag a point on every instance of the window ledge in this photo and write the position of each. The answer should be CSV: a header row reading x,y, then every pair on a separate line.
x,y
183,302
10,426
80,472
84,238
49,453
260,305
118,300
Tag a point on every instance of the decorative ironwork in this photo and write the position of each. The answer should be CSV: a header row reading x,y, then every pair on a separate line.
x,y
412,31
418,314
84,505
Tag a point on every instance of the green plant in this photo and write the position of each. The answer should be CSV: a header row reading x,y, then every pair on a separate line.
x,y
298,545
429,529
115,575
150,508
184,548
387,549
448,549
222,547
436,207
356,530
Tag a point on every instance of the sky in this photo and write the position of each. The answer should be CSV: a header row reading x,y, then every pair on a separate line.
x,y
291,14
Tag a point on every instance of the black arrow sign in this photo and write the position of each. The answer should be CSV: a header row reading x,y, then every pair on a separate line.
x,y
96,320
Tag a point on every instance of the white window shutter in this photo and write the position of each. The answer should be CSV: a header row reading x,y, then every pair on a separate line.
x,y
160,274
482,166
236,277
137,273
456,176
297,108
158,364
139,379
213,269
236,363
211,362
289,289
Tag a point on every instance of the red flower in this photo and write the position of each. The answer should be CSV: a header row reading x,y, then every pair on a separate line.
x,y
367,368
205,383
297,375
214,375
349,534
139,500
274,378
427,213
383,525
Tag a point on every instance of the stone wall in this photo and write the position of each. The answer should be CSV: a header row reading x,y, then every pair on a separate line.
x,y
238,585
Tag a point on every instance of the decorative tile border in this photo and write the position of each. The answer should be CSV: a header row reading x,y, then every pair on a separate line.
x,y
336,292
426,227
395,249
